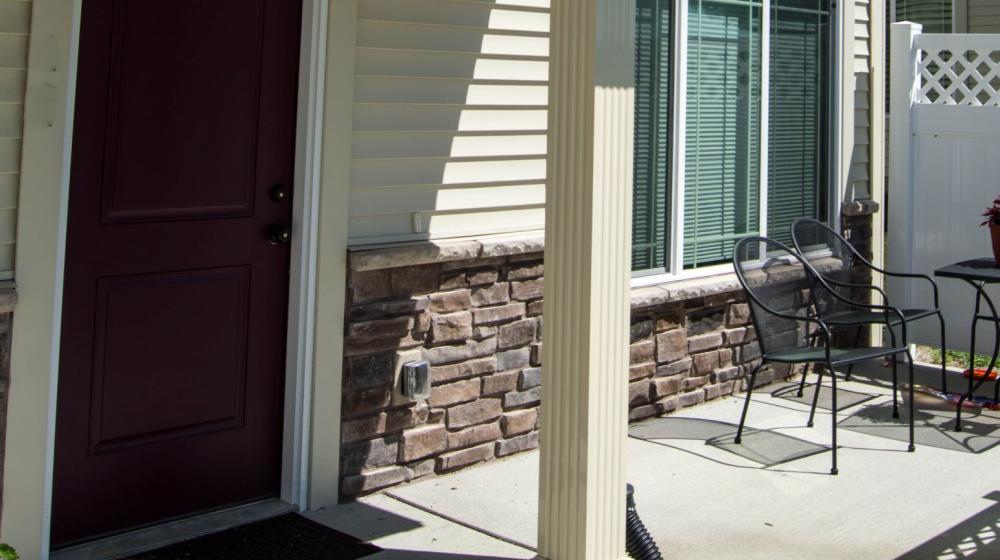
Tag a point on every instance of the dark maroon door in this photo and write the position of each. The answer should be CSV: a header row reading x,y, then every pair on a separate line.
x,y
171,376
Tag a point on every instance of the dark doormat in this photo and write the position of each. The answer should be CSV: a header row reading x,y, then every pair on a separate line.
x,y
287,537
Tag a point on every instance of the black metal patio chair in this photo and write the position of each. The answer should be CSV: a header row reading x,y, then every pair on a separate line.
x,y
788,302
844,268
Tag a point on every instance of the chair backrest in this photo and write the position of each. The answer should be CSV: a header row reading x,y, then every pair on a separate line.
x,y
831,256
776,280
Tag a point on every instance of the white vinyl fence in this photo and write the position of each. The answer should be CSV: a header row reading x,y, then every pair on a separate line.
x,y
944,154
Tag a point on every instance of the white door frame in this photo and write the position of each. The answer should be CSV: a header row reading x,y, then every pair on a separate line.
x,y
47,150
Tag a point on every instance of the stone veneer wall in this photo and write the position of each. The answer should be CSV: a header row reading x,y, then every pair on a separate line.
x,y
476,315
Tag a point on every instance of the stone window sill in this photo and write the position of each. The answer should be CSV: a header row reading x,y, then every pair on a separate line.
x,y
363,258
678,291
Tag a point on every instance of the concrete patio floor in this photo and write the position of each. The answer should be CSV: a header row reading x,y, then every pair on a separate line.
x,y
703,497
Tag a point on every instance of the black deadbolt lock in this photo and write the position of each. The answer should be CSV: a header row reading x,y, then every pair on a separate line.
x,y
278,193
277,233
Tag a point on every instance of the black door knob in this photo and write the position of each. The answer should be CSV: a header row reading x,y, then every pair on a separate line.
x,y
278,233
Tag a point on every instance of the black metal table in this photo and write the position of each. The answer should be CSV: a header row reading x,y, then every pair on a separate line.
x,y
978,273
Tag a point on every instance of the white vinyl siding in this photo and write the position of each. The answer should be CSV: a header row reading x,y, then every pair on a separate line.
x,y
450,117
15,18
859,173
983,16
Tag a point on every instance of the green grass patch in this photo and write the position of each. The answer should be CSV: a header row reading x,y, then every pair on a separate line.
x,y
931,354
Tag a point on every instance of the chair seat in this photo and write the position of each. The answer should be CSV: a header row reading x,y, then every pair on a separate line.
x,y
868,317
838,356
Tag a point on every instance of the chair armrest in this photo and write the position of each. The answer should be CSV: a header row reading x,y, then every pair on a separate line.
x,y
887,309
871,287
912,276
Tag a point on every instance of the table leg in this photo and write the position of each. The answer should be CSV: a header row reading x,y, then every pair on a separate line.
x,y
973,384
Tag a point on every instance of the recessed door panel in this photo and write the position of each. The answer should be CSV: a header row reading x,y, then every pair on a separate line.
x,y
184,92
170,356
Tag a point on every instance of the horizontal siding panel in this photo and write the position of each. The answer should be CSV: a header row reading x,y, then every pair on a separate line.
x,y
445,144
369,230
10,155
8,190
15,16
7,261
860,154
862,82
861,135
985,24
381,89
983,8
13,50
862,101
449,118
15,24
12,84
395,62
436,198
444,171
11,120
976,11
858,173
457,118
459,13
8,225
402,35
861,49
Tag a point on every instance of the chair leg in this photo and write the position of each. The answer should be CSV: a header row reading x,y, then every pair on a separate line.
x,y
857,341
944,351
895,378
746,403
805,372
819,385
802,382
833,419
913,446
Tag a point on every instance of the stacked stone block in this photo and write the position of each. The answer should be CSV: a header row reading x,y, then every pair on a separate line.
x,y
685,353
478,322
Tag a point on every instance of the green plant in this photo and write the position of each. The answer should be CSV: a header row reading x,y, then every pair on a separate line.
x,y
992,213
954,358
7,552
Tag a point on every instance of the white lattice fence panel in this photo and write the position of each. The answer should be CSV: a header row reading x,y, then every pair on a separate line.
x,y
958,72
943,169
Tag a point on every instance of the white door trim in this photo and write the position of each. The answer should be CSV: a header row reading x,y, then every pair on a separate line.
x,y
46,155
305,225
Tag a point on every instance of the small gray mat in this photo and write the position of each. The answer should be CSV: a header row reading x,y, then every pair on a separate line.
x,y
845,398
760,446
934,428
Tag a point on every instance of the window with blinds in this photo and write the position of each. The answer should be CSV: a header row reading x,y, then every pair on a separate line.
x,y
653,93
799,116
722,194
722,183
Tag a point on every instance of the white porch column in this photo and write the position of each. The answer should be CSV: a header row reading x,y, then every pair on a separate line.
x,y
587,246
902,95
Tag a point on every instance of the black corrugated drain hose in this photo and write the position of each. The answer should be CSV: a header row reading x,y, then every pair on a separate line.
x,y
638,542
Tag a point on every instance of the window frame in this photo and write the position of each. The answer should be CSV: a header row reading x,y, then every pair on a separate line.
x,y
675,270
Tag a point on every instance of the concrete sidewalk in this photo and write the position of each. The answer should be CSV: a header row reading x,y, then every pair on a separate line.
x,y
703,497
